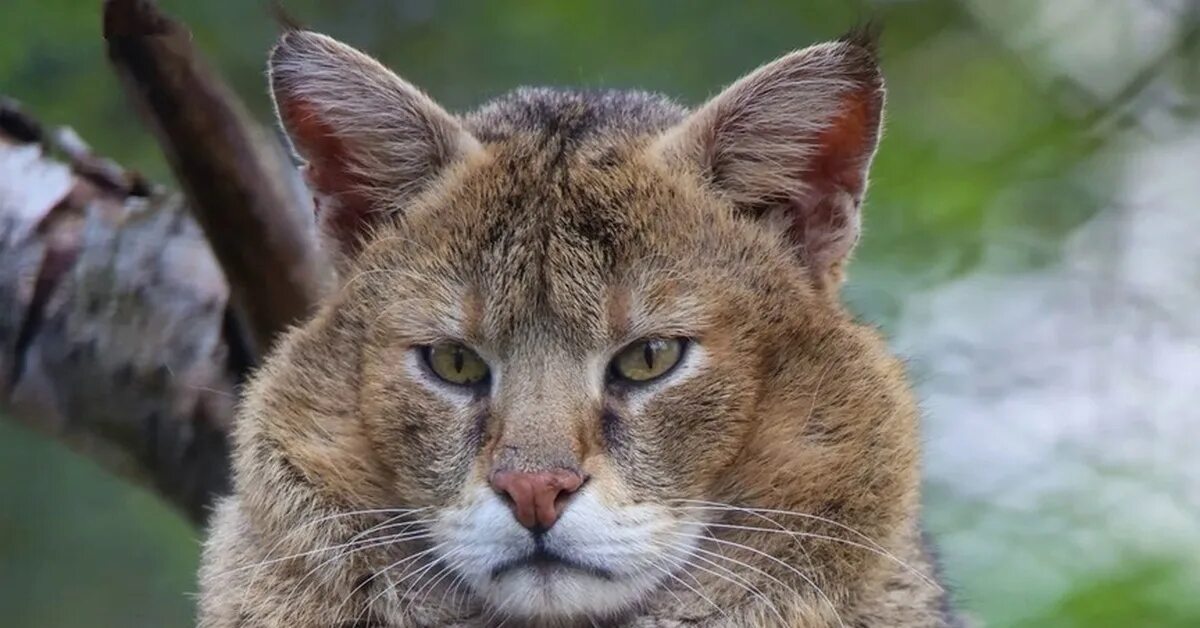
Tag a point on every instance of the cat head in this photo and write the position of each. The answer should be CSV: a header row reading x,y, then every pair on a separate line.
x,y
571,325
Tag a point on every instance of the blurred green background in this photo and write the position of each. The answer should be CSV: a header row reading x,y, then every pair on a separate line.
x,y
992,105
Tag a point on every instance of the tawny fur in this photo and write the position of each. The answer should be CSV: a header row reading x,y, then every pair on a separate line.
x,y
545,227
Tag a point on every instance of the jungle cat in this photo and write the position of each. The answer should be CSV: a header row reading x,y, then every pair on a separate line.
x,y
585,364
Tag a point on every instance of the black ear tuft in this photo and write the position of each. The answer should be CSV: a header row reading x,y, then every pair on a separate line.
x,y
866,35
284,18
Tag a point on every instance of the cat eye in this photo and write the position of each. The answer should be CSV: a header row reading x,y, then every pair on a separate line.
x,y
456,364
646,360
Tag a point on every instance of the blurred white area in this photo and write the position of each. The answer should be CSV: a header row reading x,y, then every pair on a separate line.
x,y
1100,44
1063,405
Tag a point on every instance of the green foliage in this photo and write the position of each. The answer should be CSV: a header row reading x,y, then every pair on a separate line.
x,y
1148,595
80,548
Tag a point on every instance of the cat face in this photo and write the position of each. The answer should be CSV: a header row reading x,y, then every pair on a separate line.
x,y
571,324
603,326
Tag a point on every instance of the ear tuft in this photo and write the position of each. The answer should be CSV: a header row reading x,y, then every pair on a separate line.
x,y
791,144
866,36
371,141
284,18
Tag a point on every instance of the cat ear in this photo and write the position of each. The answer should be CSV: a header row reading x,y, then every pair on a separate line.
x,y
791,143
370,140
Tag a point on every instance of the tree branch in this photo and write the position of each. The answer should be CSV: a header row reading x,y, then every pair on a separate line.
x,y
114,333
237,185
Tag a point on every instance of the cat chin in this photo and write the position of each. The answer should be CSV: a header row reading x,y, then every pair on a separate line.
x,y
553,594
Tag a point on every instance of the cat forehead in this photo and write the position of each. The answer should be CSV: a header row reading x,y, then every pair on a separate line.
x,y
568,225
542,240
573,116
554,239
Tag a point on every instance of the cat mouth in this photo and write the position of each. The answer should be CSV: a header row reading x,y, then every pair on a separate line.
x,y
546,562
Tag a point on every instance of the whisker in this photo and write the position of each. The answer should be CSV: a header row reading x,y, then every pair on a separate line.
x,y
873,546
321,550
756,590
681,561
740,581
392,523
455,567
501,608
672,576
364,544
407,601
366,581
708,505
638,571
341,551
799,573
341,515
803,548
822,537
747,566
433,581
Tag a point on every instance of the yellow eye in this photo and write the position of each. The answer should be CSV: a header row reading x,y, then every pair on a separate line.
x,y
456,364
645,360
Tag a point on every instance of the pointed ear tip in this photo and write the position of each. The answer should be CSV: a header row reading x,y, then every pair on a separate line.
x,y
294,41
855,54
865,36
290,54
860,48
290,38
286,63
284,18
284,46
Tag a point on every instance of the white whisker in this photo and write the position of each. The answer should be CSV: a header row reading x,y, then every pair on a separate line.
x,y
798,573
672,576
372,542
873,546
341,515
735,579
440,575
359,546
372,577
454,585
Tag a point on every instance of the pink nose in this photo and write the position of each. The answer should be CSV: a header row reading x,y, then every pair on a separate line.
x,y
538,498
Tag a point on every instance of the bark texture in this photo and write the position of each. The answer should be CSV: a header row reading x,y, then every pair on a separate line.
x,y
238,184
129,314
115,336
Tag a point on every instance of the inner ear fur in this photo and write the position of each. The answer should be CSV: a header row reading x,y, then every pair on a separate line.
x,y
791,144
370,141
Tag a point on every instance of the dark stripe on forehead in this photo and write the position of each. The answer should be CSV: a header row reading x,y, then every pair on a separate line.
x,y
551,256
551,242
576,114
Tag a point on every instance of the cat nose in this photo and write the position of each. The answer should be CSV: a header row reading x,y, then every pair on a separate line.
x,y
537,498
